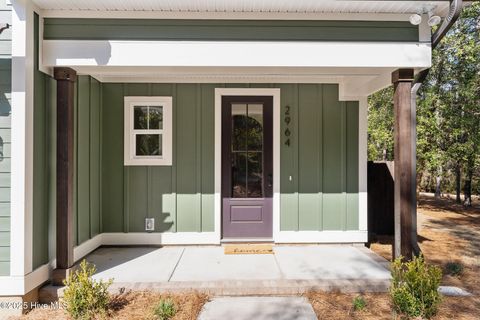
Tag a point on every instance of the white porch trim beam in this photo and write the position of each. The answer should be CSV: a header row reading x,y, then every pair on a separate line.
x,y
74,53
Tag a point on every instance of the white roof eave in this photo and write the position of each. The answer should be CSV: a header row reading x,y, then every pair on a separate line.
x,y
210,9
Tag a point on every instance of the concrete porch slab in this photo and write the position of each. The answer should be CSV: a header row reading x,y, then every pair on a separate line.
x,y
135,264
328,262
211,264
291,270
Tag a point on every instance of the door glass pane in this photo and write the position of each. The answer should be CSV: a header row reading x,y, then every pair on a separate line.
x,y
239,174
155,117
247,150
140,117
148,145
255,175
255,127
239,127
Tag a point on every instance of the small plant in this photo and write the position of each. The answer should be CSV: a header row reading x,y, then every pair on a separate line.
x,y
414,288
84,298
359,303
454,268
165,309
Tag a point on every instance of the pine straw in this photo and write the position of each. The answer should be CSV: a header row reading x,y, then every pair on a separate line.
x,y
448,232
134,305
339,306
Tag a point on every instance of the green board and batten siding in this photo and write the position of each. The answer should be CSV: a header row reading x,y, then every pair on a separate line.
x,y
87,173
5,137
179,197
322,161
319,170
228,30
87,152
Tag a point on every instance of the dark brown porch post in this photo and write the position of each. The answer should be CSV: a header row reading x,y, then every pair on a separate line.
x,y
66,78
404,148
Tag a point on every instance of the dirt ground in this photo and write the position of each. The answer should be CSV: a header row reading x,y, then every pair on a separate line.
x,y
448,232
133,306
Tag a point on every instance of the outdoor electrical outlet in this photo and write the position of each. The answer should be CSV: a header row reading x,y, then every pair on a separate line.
x,y
149,224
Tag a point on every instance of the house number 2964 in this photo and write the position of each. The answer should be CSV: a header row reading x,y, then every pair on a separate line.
x,y
287,120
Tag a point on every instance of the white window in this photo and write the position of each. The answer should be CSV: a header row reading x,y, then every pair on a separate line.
x,y
148,131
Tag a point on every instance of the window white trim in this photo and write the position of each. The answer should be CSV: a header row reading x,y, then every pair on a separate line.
x,y
130,159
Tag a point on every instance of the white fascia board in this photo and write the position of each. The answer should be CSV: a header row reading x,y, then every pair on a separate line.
x,y
234,54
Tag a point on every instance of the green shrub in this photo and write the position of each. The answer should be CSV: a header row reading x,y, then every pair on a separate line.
x,y
165,309
359,303
84,298
454,268
414,288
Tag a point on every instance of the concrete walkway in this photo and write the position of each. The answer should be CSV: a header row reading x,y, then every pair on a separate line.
x,y
259,308
290,270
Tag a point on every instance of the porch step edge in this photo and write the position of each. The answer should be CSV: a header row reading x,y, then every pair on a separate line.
x,y
263,287
51,293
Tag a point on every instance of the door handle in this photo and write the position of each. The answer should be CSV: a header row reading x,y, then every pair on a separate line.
x,y
270,180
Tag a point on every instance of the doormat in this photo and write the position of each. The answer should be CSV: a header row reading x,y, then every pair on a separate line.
x,y
249,249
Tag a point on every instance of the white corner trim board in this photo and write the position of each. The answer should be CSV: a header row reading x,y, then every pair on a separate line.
x,y
21,222
362,163
235,53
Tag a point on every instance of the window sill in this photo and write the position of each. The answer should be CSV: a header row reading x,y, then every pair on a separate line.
x,y
147,162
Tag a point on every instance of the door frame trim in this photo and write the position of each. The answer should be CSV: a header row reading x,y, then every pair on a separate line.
x,y
275,94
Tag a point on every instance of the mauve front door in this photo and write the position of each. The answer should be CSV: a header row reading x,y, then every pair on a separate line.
x,y
247,166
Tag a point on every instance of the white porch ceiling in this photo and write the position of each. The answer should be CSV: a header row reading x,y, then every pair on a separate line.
x,y
255,6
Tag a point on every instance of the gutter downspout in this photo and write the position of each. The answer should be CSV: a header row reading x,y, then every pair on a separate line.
x,y
455,10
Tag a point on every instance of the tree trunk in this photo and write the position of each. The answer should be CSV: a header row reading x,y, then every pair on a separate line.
x,y
438,192
457,184
419,182
468,187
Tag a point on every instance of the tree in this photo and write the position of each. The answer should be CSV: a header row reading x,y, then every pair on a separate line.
x,y
448,113
381,125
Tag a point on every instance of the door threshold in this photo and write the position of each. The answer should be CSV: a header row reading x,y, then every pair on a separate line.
x,y
246,240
